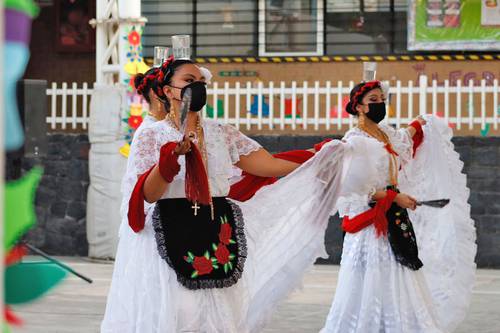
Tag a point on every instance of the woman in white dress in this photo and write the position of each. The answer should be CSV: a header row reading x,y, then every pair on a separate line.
x,y
209,264
394,276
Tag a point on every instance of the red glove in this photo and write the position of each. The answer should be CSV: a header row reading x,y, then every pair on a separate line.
x,y
419,135
168,165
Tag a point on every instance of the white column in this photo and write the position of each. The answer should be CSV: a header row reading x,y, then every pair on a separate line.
x,y
100,40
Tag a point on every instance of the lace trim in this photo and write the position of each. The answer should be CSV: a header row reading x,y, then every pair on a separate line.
x,y
212,283
238,144
352,205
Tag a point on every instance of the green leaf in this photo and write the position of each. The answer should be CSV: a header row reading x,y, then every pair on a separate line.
x,y
207,255
19,206
27,281
225,268
232,256
214,260
221,220
190,255
214,247
215,266
232,241
230,265
195,274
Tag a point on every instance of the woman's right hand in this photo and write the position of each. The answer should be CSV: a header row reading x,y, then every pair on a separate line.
x,y
183,147
405,201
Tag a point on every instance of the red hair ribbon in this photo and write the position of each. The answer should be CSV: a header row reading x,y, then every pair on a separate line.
x,y
363,90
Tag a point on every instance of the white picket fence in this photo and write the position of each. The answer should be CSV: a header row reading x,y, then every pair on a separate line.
x,y
294,107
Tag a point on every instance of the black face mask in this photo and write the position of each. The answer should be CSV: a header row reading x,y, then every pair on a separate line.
x,y
376,112
198,95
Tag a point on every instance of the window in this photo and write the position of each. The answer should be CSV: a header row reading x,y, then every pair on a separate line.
x,y
290,27
365,27
226,28
279,27
165,18
217,27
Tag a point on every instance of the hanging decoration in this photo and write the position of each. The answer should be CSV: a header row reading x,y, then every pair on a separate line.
x,y
23,281
135,110
17,15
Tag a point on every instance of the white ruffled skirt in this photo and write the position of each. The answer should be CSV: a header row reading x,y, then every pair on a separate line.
x,y
285,234
377,294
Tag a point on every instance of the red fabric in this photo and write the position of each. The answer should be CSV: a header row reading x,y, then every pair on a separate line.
x,y
376,215
418,138
197,189
168,165
11,318
15,255
318,146
250,184
136,216
391,151
296,156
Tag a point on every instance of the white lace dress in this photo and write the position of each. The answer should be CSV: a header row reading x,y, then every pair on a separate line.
x,y
284,226
375,293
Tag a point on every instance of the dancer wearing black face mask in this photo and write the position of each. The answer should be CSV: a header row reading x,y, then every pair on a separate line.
x,y
189,258
382,286
367,102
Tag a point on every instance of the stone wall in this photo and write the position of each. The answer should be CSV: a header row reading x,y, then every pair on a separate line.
x,y
62,194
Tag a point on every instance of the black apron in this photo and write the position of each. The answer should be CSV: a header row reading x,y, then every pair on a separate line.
x,y
204,253
402,236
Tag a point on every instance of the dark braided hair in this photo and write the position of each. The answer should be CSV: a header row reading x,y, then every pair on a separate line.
x,y
358,92
145,82
164,77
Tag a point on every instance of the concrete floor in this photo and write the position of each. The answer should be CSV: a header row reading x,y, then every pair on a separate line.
x,y
76,306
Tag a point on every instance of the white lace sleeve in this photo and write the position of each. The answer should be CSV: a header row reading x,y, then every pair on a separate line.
x,y
238,143
146,150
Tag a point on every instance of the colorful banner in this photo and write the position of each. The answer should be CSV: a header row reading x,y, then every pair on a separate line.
x,y
465,25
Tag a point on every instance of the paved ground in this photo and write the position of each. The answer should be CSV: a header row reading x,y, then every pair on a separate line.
x,y
76,306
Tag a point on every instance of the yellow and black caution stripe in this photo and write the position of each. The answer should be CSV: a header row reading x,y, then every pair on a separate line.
x,y
431,57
